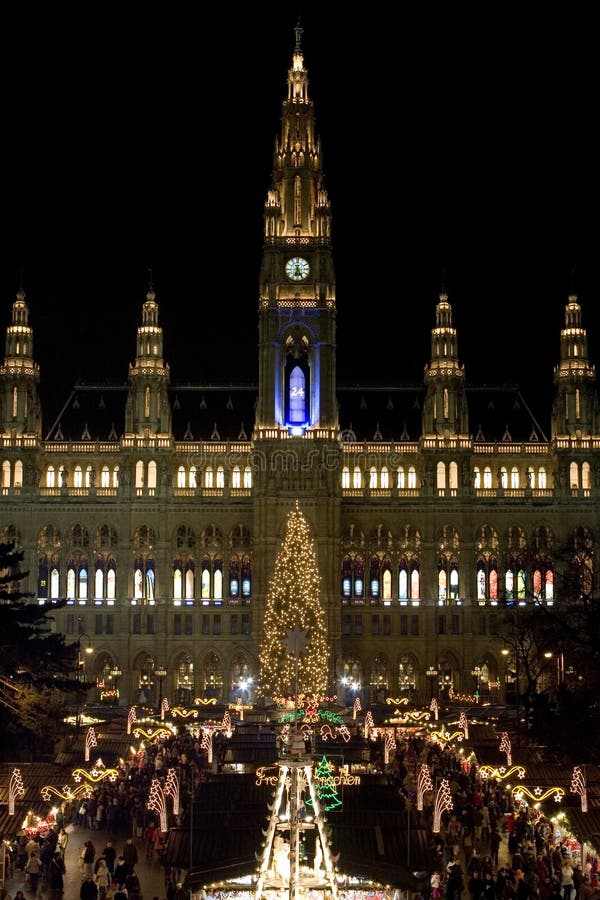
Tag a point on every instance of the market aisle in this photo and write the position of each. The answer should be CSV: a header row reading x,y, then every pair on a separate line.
x,y
150,873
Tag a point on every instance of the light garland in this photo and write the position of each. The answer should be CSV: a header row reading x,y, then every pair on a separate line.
x,y
164,707
90,741
424,784
443,802
183,713
505,747
434,707
356,708
398,701
172,789
15,789
578,786
67,792
131,718
157,803
200,701
501,773
95,775
463,723
538,794
389,744
161,731
369,723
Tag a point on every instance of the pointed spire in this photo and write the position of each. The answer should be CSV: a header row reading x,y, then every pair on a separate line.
x,y
299,31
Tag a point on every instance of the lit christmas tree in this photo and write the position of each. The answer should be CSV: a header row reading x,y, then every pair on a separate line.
x,y
293,606
326,790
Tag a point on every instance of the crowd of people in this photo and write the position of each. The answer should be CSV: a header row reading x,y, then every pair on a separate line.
x,y
485,849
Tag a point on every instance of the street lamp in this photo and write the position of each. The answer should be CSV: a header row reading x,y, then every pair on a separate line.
x,y
432,674
505,652
88,649
160,673
476,673
116,674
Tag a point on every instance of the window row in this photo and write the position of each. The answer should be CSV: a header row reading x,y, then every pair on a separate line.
x,y
208,582
386,582
145,623
447,476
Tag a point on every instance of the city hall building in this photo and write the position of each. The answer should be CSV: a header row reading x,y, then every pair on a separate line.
x,y
157,509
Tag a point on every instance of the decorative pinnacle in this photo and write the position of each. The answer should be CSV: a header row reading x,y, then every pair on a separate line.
x,y
299,32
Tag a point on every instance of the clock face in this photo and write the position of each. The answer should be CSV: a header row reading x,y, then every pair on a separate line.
x,y
297,269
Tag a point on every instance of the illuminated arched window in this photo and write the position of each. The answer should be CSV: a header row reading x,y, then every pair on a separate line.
x,y
403,582
453,476
139,474
190,580
385,478
236,477
177,581
372,478
487,478
514,477
105,477
50,477
247,477
400,479
152,474
574,475
441,475
78,477
208,477
6,473
503,478
220,477
181,477
412,478
345,478
542,481
415,582
116,477
386,583
357,478
476,478
192,480
586,476
18,477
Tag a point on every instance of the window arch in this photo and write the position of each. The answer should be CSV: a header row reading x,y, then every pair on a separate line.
x,y
353,577
236,477
144,579
372,478
356,477
574,475
385,478
586,476
514,477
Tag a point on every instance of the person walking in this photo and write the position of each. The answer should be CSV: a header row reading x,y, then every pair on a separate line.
x,y
34,870
88,857
130,855
89,889
56,871
102,878
110,855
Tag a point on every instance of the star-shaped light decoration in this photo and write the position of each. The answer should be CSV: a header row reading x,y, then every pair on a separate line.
x,y
296,640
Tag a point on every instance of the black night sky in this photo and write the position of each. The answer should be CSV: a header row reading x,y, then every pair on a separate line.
x,y
457,141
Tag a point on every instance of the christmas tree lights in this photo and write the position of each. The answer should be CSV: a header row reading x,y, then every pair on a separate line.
x,y
293,606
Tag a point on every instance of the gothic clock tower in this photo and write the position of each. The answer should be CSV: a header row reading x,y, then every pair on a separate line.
x,y
296,434
297,284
